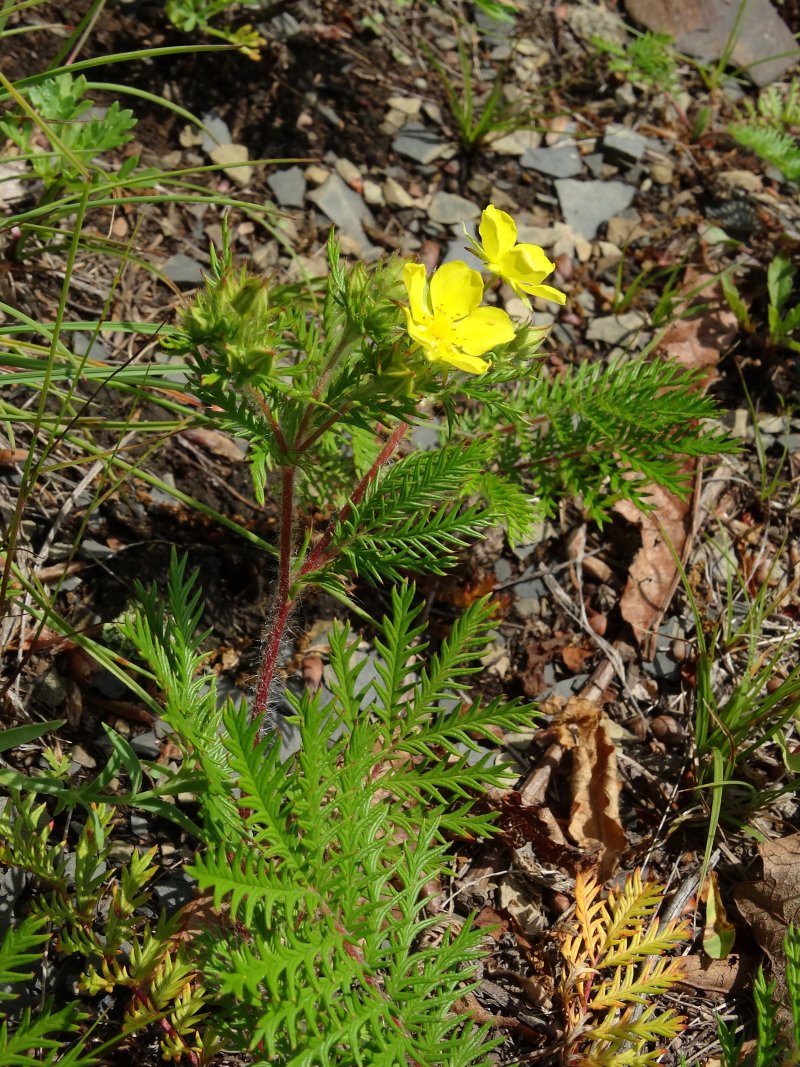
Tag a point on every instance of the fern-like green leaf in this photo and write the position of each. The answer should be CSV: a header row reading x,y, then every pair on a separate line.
x,y
779,149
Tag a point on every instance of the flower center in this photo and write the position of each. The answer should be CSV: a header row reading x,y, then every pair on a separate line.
x,y
441,327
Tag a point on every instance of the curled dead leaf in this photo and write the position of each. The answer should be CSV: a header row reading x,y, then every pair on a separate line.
x,y
594,815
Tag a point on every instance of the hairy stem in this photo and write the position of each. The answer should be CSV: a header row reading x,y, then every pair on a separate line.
x,y
316,558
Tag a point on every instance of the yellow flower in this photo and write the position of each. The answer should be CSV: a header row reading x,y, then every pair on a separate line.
x,y
443,317
523,267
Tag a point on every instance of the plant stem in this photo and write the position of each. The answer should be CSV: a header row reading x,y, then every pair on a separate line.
x,y
315,560
282,598
316,557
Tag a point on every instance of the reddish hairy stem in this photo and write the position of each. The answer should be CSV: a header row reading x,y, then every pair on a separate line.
x,y
315,559
317,556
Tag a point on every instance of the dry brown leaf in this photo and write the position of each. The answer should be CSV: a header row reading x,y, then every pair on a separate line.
x,y
652,576
695,342
717,976
770,905
575,656
594,814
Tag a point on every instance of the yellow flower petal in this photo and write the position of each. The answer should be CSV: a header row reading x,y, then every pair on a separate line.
x,y
482,330
528,261
547,292
415,280
455,290
498,232
463,361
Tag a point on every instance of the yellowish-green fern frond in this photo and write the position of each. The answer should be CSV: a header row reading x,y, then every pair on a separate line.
x,y
615,963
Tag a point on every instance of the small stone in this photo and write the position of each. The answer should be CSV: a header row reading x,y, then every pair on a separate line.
x,y
289,186
406,105
426,436
82,757
232,157
347,171
94,550
419,143
562,128
183,270
667,729
432,111
563,161
347,211
594,164
49,689
372,193
611,329
595,20
449,208
610,255
139,825
173,891
393,123
395,195
662,173
773,424
316,174
146,745
502,570
587,205
121,852
625,96
741,179
622,229
215,131
622,146
516,143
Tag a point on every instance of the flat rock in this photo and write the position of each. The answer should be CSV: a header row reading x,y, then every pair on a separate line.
x,y
395,195
611,329
450,208
289,186
233,160
563,161
82,757
622,146
372,193
516,143
347,171
587,205
347,211
407,105
764,46
419,143
595,20
215,131
183,270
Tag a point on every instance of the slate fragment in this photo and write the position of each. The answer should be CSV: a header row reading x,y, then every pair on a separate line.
x,y
587,205
764,48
